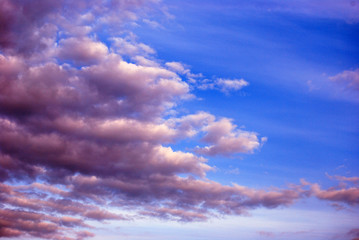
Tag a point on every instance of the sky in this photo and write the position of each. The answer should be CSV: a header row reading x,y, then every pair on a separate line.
x,y
135,119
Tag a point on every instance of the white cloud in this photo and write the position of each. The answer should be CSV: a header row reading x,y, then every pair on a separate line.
x,y
223,84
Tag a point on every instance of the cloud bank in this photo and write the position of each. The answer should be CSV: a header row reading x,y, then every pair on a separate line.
x,y
84,130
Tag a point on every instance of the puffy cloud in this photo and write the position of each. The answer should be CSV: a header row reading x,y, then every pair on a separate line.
x,y
141,60
87,130
128,46
139,90
98,132
31,27
177,67
225,139
24,28
32,213
17,223
82,50
200,198
227,85
36,198
191,124
56,151
346,195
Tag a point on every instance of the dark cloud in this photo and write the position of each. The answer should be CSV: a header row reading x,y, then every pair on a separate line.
x,y
354,233
23,27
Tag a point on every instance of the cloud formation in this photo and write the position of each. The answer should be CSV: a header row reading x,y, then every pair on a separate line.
x,y
348,79
225,139
341,194
85,127
223,85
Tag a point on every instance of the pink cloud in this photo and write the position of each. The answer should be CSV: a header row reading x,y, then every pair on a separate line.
x,y
354,180
82,50
266,234
90,134
225,139
341,194
128,46
346,195
354,233
98,133
348,80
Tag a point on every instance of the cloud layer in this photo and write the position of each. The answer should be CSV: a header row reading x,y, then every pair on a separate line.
x,y
84,130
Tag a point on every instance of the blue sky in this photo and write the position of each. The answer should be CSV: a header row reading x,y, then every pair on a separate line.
x,y
287,58
179,119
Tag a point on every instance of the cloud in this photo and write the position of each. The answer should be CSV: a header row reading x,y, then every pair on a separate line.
x,y
354,233
83,51
31,27
227,85
225,139
87,130
266,234
177,67
349,80
346,195
342,194
128,46
24,29
223,85
354,180
152,24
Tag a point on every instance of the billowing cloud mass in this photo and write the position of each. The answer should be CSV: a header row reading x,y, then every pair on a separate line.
x,y
84,130
226,140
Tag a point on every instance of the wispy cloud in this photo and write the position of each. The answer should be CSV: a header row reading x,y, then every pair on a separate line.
x,y
223,85
348,80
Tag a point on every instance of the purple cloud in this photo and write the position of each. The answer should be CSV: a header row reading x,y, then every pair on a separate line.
x,y
87,130
348,80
